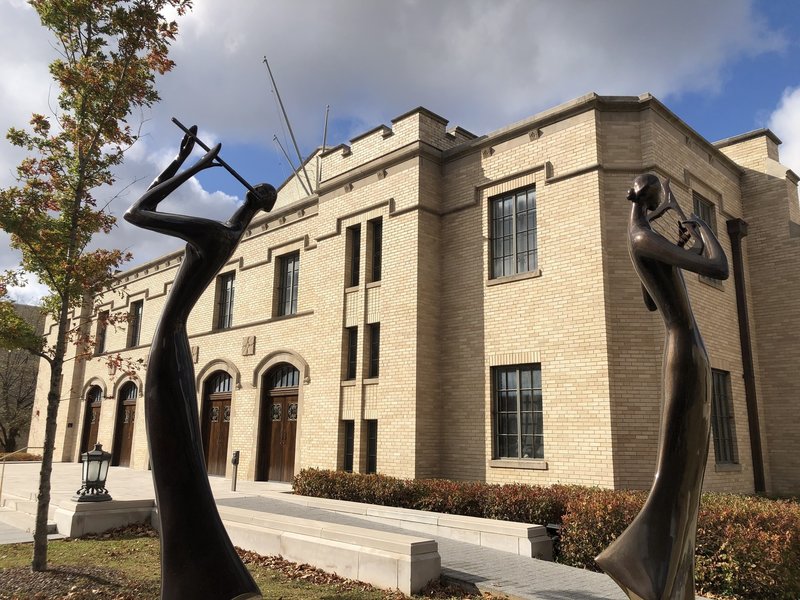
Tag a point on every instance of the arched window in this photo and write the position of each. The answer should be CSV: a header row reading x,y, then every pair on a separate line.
x,y
283,376
94,395
219,383
128,391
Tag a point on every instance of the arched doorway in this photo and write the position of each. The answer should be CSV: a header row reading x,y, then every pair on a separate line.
x,y
91,419
216,421
278,427
123,430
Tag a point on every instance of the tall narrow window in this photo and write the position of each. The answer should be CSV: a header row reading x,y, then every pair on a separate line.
x,y
375,233
100,336
722,422
705,210
135,323
374,349
354,254
225,300
518,411
349,445
513,233
352,352
372,446
289,266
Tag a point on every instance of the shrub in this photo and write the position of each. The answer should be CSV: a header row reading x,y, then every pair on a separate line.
x,y
592,521
748,547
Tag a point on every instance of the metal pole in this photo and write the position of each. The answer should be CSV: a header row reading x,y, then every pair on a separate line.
x,y
288,125
289,160
324,142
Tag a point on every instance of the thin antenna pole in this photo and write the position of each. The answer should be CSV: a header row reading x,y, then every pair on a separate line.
x,y
289,160
324,143
288,124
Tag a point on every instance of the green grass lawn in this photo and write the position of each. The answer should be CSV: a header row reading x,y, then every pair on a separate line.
x,y
125,566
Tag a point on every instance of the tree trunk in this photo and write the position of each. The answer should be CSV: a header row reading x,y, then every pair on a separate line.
x,y
39,562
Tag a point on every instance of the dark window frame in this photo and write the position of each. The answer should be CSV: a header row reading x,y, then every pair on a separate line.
x,y
723,422
135,315
705,209
373,369
102,331
513,233
375,234
515,431
349,434
372,446
225,293
351,357
353,255
289,274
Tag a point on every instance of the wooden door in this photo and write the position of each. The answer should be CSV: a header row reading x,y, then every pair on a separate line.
x,y
91,421
126,421
126,433
217,421
282,433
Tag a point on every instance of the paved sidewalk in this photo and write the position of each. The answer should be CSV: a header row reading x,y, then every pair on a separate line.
x,y
489,570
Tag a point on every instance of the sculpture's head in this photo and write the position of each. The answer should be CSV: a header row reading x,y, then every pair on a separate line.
x,y
265,197
646,190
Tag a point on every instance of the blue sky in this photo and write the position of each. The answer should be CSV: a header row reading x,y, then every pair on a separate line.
x,y
723,66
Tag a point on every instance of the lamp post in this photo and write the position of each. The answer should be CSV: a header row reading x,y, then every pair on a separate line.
x,y
95,472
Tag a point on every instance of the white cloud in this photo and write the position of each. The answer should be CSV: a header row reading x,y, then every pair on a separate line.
x,y
785,122
479,63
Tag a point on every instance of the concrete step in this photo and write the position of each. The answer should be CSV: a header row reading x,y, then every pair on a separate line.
x,y
24,505
24,521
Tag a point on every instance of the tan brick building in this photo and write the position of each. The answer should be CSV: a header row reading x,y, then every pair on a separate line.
x,y
447,305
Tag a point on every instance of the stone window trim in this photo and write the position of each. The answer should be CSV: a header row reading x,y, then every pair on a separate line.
x,y
512,278
533,464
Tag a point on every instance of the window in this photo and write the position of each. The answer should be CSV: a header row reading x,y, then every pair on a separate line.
x,y
375,233
705,210
135,323
289,269
374,349
372,446
513,233
518,425
100,336
220,383
354,254
224,311
722,422
349,443
352,352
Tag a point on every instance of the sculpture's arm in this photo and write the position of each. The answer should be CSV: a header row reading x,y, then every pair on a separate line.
x,y
711,263
143,212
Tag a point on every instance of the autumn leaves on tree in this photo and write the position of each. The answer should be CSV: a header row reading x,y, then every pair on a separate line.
x,y
110,52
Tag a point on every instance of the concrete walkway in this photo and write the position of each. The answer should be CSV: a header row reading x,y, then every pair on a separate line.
x,y
488,570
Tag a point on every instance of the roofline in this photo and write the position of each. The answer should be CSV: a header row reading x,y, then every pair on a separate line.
x,y
750,135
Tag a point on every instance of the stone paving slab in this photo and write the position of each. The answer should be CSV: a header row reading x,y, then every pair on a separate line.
x,y
487,569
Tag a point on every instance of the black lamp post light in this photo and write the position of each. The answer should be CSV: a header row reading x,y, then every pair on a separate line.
x,y
95,472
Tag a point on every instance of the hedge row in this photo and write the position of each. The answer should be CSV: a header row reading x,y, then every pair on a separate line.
x,y
746,547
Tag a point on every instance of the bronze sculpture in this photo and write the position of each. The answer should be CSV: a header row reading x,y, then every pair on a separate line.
x,y
653,559
198,559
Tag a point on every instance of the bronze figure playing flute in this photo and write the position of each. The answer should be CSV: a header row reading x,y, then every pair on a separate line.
x,y
653,559
198,559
